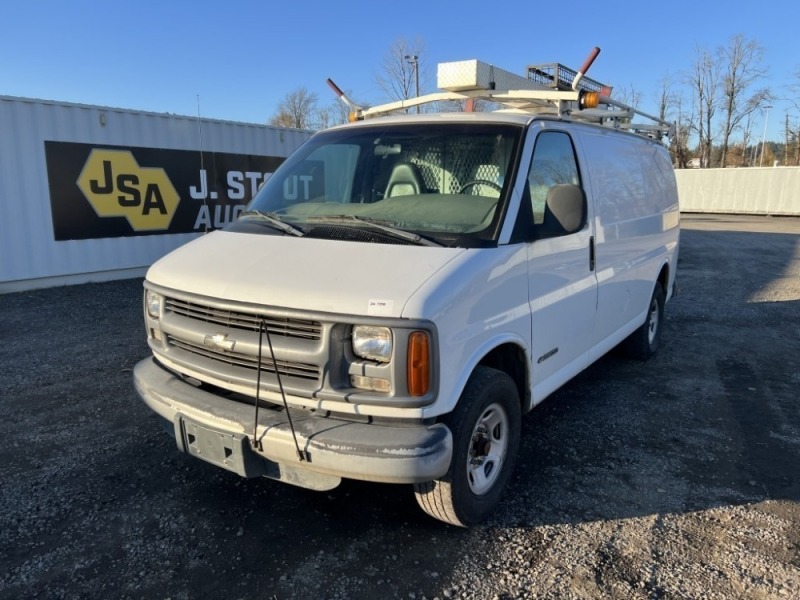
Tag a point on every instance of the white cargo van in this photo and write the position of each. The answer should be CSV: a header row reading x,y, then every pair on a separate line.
x,y
404,288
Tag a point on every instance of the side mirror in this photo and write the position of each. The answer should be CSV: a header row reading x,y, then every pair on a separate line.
x,y
564,212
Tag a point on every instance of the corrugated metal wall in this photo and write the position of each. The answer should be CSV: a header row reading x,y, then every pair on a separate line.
x,y
29,255
766,191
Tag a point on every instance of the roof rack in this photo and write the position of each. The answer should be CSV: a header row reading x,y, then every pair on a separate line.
x,y
548,89
559,77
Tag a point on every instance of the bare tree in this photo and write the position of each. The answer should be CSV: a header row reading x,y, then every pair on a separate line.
x,y
795,137
398,76
666,97
794,89
335,113
670,107
678,146
747,132
793,132
703,80
694,80
628,95
298,109
741,67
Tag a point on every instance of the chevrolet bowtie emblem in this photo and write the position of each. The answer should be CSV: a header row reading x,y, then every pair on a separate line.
x,y
219,341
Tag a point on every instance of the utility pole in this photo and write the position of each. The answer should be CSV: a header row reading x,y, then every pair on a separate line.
x,y
413,59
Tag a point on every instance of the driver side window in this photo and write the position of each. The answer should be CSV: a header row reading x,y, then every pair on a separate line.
x,y
553,163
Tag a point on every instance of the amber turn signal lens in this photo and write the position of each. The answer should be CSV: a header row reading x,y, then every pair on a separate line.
x,y
419,363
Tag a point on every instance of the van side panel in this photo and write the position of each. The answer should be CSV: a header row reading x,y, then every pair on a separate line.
x,y
656,161
636,227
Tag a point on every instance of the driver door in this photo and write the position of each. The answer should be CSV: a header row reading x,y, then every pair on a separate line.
x,y
562,286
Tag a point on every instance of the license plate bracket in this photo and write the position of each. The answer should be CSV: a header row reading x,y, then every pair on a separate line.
x,y
230,451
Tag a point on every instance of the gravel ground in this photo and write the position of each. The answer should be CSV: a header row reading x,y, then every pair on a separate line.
x,y
676,478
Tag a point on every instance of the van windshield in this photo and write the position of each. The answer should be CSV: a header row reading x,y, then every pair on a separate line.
x,y
441,182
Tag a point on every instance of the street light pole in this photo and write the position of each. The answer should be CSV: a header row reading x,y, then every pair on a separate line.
x,y
414,60
764,137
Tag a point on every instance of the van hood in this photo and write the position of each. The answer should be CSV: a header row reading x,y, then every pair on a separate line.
x,y
333,276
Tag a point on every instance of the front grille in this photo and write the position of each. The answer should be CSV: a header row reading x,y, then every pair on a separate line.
x,y
277,326
299,344
248,361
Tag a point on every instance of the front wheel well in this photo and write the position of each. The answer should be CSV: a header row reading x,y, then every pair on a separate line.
x,y
663,278
511,360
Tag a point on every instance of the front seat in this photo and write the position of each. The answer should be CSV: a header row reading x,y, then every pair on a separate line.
x,y
405,180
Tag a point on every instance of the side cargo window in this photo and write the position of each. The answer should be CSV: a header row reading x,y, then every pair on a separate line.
x,y
553,163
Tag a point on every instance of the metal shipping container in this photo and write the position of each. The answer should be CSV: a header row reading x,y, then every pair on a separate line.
x,y
90,193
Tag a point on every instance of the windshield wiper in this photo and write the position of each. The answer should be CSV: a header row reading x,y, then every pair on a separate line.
x,y
377,224
274,221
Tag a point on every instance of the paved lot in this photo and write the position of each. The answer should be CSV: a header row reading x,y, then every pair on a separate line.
x,y
676,478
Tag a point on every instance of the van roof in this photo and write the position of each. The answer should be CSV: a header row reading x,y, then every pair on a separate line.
x,y
498,117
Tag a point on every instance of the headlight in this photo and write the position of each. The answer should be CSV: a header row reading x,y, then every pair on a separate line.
x,y
152,301
372,343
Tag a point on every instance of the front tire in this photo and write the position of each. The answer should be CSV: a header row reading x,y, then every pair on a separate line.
x,y
486,430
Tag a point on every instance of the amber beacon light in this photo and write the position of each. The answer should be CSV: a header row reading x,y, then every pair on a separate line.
x,y
588,99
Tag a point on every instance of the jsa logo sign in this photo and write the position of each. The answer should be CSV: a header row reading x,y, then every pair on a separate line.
x,y
116,186
155,190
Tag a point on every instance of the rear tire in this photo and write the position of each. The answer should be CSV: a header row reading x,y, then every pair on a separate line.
x,y
643,343
486,429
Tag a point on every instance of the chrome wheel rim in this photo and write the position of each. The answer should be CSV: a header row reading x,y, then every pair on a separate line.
x,y
487,449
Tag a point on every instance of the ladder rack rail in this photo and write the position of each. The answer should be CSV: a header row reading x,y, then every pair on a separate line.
x,y
583,100
544,102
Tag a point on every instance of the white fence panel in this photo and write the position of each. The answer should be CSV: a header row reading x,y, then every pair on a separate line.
x,y
766,191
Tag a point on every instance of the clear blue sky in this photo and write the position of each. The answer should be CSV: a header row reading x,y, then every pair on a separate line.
x,y
242,57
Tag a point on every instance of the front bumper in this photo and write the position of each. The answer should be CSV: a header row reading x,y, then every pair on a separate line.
x,y
336,448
